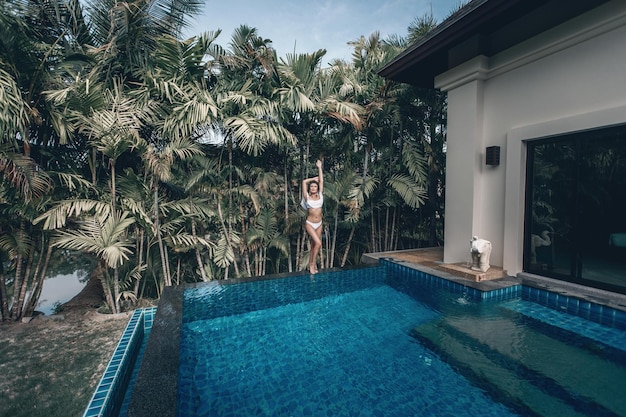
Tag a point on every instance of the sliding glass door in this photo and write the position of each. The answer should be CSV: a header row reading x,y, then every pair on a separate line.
x,y
575,227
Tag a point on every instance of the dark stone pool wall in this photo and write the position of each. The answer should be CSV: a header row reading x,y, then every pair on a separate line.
x,y
154,393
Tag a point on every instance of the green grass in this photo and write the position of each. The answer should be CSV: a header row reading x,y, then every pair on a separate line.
x,y
51,368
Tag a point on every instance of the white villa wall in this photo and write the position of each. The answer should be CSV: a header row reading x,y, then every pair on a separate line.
x,y
568,79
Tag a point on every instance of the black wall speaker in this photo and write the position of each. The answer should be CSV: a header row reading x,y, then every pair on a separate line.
x,y
492,155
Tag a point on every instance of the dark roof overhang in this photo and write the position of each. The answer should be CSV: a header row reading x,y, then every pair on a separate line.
x,y
481,27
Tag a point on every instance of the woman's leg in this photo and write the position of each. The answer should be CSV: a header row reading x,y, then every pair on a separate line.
x,y
316,245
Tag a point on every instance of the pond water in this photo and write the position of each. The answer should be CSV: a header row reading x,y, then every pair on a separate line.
x,y
59,289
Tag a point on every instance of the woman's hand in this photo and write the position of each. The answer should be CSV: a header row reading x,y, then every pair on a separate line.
x,y
318,163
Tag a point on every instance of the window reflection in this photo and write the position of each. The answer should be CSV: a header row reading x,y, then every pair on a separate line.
x,y
576,208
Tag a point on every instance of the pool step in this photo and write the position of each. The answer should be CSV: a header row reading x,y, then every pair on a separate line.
x,y
611,338
526,398
507,360
584,375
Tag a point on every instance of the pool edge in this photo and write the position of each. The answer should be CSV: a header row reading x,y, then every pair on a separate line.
x,y
107,398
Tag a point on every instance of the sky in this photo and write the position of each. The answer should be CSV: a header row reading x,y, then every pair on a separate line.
x,y
304,26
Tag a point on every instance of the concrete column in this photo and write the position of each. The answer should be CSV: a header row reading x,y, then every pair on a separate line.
x,y
464,157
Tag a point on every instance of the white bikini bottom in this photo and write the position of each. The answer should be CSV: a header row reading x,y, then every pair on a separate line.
x,y
314,225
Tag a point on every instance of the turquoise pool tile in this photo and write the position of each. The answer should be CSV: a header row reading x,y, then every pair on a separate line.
x,y
98,402
93,412
573,305
100,394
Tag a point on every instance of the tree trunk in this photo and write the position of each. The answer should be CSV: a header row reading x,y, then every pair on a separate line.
x,y
157,232
19,308
298,251
373,234
333,246
198,258
178,272
40,276
4,299
106,286
344,258
140,259
116,289
17,282
243,247
264,261
286,187
394,230
167,263
92,165
246,261
325,258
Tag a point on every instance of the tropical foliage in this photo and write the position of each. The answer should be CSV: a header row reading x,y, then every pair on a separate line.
x,y
174,160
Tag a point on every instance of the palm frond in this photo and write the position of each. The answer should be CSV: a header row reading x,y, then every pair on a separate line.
x,y
56,217
280,243
249,192
72,181
415,162
22,173
101,237
223,254
15,243
413,194
187,241
13,110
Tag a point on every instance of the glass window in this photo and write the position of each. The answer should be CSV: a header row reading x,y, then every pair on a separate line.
x,y
575,226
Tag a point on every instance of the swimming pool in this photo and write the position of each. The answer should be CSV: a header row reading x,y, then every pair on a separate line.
x,y
387,340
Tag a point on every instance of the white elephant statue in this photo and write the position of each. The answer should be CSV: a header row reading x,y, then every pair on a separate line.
x,y
480,250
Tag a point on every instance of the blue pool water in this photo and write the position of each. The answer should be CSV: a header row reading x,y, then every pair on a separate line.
x,y
344,355
376,344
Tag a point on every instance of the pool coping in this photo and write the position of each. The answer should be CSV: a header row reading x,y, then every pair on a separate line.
x,y
485,286
424,257
609,299
154,393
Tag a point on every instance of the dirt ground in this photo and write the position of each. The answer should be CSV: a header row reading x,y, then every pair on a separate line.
x,y
51,365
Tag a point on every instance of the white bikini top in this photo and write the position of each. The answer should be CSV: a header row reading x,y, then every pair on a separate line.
x,y
307,204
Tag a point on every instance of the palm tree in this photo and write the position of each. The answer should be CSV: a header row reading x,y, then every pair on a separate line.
x,y
384,137
372,93
263,235
425,113
158,163
106,237
29,50
141,65
249,120
313,101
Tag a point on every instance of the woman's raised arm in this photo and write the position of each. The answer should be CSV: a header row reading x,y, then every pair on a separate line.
x,y
320,175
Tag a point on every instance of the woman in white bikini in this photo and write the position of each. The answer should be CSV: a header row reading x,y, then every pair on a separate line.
x,y
312,201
